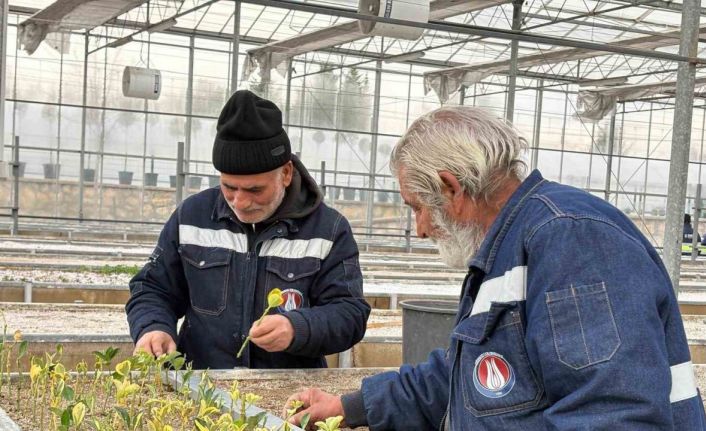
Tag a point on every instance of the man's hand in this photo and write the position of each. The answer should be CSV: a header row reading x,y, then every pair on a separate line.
x,y
274,333
319,404
155,343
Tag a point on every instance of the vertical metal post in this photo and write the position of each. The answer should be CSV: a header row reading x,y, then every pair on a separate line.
x,y
647,165
82,154
681,136
537,124
461,95
514,46
236,49
374,145
288,101
337,123
28,293
609,163
408,231
4,11
695,220
16,186
180,173
101,145
189,105
322,181
345,359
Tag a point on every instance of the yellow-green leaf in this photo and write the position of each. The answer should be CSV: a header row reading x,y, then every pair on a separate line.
x,y
123,368
78,413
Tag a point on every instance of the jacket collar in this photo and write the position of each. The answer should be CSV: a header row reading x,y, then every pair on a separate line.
x,y
485,256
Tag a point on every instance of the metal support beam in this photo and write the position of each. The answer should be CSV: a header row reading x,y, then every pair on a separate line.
x,y
180,173
288,100
4,10
236,49
474,30
695,222
609,155
189,105
82,155
681,137
16,186
374,145
514,48
537,124
659,4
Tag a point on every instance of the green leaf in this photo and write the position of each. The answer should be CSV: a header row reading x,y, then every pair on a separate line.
x,y
23,349
253,421
124,415
137,422
66,417
178,363
68,393
305,421
57,411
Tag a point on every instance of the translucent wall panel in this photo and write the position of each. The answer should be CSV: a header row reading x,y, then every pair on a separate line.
x,y
552,119
393,103
420,103
549,163
211,82
173,63
163,133
575,169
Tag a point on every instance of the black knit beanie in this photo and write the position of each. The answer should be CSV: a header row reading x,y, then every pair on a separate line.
x,y
249,136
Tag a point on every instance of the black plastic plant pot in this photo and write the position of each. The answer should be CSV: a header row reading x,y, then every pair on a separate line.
x,y
426,325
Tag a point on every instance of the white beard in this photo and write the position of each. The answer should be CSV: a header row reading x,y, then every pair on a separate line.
x,y
268,209
458,243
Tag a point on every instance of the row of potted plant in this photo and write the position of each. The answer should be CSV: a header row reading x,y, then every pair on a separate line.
x,y
52,171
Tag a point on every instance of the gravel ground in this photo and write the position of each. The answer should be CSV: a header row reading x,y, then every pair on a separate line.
x,y
695,327
70,247
77,277
65,319
110,320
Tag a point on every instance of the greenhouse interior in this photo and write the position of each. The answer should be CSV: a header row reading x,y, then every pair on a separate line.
x,y
112,114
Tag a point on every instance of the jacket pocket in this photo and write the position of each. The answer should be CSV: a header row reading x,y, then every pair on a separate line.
x,y
583,325
294,277
207,272
493,369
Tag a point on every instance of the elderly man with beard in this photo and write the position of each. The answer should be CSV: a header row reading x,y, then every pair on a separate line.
x,y
224,249
567,319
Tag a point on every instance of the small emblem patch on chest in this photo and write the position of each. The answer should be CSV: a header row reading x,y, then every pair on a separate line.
x,y
293,299
493,376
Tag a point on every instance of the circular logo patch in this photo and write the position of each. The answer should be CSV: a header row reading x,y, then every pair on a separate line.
x,y
493,376
293,299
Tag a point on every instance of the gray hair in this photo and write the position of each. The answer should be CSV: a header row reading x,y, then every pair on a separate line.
x,y
478,148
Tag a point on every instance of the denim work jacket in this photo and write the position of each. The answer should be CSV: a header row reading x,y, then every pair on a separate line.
x,y
575,327
216,272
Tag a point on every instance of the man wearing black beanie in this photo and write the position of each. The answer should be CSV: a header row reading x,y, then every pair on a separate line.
x,y
224,249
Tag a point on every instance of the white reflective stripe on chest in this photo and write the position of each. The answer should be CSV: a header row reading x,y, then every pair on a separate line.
x,y
511,286
296,248
221,238
683,382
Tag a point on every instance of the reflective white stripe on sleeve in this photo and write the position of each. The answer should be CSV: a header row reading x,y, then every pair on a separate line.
x,y
213,238
511,286
296,248
683,382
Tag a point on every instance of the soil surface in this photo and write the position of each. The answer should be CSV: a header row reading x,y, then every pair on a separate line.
x,y
29,415
278,385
